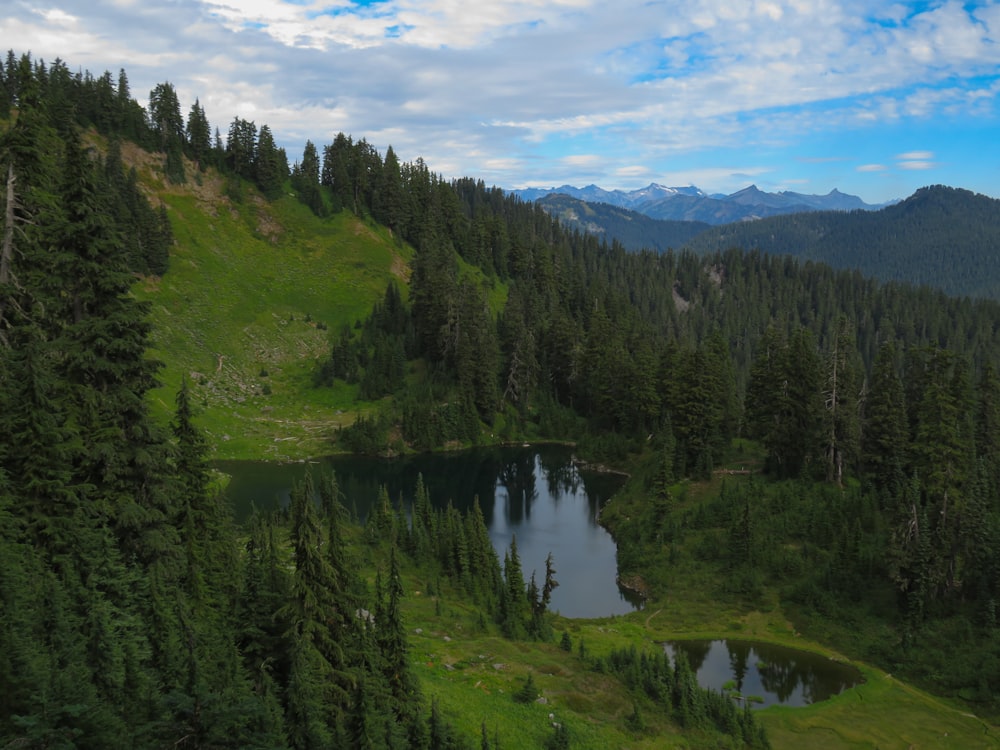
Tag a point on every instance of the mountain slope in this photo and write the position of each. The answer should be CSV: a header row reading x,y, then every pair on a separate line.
x,y
632,229
254,293
944,237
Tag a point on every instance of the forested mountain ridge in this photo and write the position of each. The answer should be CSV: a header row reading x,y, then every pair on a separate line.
x,y
634,230
940,236
133,611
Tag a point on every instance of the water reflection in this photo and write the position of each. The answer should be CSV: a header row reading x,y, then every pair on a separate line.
x,y
773,674
537,493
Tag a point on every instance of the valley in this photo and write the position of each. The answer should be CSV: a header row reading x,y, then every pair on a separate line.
x,y
803,455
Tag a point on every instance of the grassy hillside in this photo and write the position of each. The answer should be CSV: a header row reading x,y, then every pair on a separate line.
x,y
472,673
254,293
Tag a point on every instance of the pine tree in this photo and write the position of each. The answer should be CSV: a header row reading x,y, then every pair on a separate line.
x,y
841,400
390,202
167,127
514,603
305,180
270,167
392,639
885,438
988,426
313,607
241,148
199,137
103,334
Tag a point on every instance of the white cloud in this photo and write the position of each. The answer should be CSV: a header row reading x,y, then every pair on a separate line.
x,y
630,173
915,156
872,168
583,160
572,86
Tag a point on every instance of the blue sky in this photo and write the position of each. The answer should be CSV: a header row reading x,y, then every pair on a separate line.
x,y
873,98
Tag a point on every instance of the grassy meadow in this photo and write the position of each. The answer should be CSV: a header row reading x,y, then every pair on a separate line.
x,y
472,672
253,297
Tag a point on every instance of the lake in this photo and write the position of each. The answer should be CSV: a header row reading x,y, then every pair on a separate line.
x,y
537,493
774,674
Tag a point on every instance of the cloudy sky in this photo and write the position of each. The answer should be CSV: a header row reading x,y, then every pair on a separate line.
x,y
873,98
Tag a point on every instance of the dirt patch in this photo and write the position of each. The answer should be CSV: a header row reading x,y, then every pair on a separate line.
x,y
267,226
208,188
400,268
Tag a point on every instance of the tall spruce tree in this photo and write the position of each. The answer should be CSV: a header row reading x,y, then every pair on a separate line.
x,y
885,436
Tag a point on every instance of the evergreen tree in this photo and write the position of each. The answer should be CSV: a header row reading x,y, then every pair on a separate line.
x,y
885,435
305,180
167,128
841,396
518,347
784,400
338,160
270,165
988,426
199,137
513,600
390,204
103,334
241,148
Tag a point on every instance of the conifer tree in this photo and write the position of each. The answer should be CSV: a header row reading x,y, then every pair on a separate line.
x,y
885,436
988,426
305,180
167,127
841,401
199,137
103,334
270,165
390,201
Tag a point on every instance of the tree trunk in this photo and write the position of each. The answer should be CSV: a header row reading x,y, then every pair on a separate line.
x,y
7,249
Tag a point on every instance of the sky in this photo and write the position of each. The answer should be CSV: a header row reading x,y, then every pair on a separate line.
x,y
869,97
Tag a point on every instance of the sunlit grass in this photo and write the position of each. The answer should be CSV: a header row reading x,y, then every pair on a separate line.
x,y
254,294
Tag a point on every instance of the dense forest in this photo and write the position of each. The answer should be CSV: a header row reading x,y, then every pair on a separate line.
x,y
940,236
133,608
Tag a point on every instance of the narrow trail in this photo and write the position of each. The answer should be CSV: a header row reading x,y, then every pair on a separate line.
x,y
652,616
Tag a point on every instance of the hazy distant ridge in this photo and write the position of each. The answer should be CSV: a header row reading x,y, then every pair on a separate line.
x,y
693,204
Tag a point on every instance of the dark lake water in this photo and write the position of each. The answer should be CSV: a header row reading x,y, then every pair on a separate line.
x,y
776,674
535,492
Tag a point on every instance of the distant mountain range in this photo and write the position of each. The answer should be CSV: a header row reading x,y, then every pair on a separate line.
x,y
944,237
692,204
632,229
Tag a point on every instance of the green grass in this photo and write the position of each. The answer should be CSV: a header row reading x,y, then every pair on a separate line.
x,y
241,312
473,673
882,713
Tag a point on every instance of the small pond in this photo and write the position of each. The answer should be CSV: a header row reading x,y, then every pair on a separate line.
x,y
764,673
537,493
